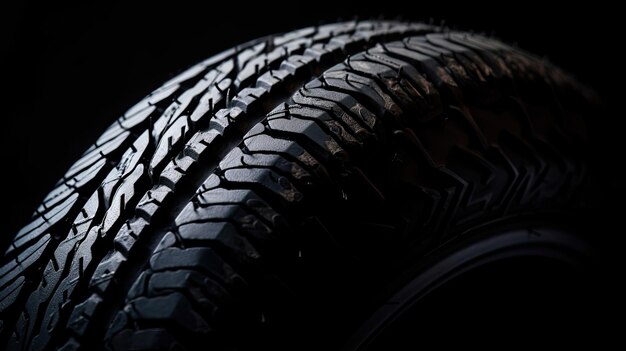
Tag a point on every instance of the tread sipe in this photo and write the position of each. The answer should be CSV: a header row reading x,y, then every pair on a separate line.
x,y
284,181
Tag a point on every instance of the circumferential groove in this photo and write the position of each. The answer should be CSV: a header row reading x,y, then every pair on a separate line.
x,y
159,112
185,222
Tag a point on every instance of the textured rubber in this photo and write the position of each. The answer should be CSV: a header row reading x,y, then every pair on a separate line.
x,y
295,166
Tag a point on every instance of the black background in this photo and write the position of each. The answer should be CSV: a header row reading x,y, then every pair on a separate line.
x,y
69,71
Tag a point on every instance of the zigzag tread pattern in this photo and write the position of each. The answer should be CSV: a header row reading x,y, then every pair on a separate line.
x,y
189,234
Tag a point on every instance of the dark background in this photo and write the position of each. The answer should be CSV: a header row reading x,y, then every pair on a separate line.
x,y
69,71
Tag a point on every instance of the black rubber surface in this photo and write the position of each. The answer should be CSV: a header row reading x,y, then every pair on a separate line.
x,y
296,166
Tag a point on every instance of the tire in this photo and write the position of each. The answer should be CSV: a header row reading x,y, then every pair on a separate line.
x,y
294,179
